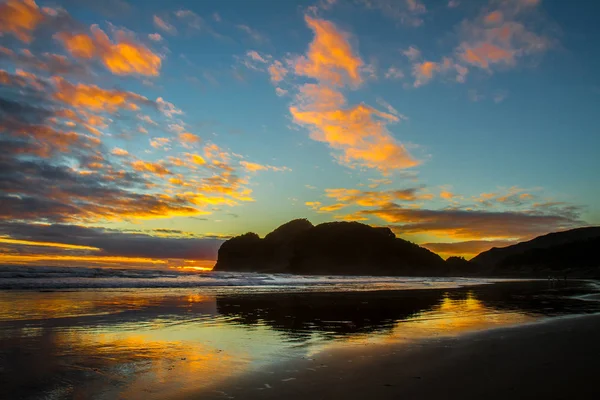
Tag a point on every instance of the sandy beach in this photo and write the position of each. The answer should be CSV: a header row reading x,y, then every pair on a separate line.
x,y
548,360
504,340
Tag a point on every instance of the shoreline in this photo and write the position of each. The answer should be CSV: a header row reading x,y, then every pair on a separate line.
x,y
552,358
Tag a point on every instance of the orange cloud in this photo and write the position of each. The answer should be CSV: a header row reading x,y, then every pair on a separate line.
x,y
253,167
94,97
119,152
164,25
160,143
514,196
375,198
394,73
315,205
47,244
125,57
146,166
277,71
472,224
188,138
494,17
467,249
332,207
446,195
498,36
196,159
330,57
20,18
423,72
485,53
359,132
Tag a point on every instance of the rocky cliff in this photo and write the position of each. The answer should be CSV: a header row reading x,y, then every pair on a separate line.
x,y
329,248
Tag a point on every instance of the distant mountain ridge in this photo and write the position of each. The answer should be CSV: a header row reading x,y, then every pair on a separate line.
x,y
353,248
569,252
493,256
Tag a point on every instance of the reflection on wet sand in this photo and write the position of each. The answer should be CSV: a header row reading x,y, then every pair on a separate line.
x,y
154,343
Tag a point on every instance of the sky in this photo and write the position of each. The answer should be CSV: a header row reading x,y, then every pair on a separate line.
x,y
144,133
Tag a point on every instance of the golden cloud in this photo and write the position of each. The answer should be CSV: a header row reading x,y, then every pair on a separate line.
x,y
375,198
360,133
95,98
124,57
253,167
446,195
330,57
277,71
119,152
466,249
499,37
472,224
188,138
20,18
146,166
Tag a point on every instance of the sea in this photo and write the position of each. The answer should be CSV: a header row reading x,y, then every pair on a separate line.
x,y
96,333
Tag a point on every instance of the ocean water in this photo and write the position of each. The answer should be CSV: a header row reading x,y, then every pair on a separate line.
x,y
17,277
76,333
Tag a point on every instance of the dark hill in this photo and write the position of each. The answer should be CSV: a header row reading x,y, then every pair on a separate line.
x,y
494,256
329,248
571,252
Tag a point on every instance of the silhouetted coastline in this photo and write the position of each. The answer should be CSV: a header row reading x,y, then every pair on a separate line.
x,y
353,248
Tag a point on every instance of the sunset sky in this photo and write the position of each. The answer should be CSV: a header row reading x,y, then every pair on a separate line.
x,y
142,133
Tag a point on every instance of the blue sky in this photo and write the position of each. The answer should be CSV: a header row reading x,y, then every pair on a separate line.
x,y
464,122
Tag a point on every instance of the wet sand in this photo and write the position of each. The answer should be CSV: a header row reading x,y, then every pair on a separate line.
x,y
558,359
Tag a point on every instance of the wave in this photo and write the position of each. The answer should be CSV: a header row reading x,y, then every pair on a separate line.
x,y
19,277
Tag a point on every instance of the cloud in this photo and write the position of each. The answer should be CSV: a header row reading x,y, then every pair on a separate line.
x,y
125,56
53,64
472,224
95,98
277,71
117,151
412,53
500,37
393,73
253,167
467,248
196,159
252,33
164,25
358,134
423,72
447,195
254,55
160,143
513,196
60,163
330,57
405,12
188,138
155,37
154,168
20,18
114,243
168,109
375,198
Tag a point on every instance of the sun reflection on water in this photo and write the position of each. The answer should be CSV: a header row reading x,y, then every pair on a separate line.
x,y
149,343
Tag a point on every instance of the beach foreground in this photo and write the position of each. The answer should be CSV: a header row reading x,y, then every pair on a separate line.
x,y
549,360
